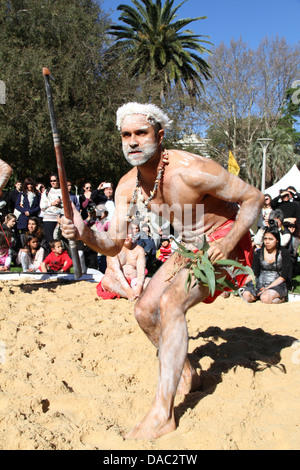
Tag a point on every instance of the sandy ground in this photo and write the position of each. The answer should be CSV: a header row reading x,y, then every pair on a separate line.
x,y
77,372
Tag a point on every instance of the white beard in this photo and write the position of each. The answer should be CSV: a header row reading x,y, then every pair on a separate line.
x,y
142,156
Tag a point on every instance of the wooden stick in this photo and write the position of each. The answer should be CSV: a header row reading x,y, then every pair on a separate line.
x,y
62,173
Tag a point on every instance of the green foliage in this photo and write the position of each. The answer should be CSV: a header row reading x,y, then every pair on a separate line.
x,y
156,46
290,116
201,270
68,37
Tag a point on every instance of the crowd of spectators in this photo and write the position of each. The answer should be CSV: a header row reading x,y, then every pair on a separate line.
x,y
276,248
29,214
29,226
282,212
29,221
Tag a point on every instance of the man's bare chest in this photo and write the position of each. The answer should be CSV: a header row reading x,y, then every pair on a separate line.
x,y
127,257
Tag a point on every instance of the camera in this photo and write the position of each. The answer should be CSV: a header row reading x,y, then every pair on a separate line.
x,y
273,223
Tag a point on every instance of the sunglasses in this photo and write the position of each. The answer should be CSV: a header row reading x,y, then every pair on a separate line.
x,y
53,181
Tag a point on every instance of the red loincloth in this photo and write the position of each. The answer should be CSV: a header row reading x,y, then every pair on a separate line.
x,y
113,295
104,294
245,255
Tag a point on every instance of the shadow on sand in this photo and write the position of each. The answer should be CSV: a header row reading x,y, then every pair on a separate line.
x,y
237,347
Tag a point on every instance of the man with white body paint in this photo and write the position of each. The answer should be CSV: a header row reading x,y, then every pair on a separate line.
x,y
185,181
125,273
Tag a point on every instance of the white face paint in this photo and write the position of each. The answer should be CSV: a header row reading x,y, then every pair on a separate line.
x,y
139,141
139,155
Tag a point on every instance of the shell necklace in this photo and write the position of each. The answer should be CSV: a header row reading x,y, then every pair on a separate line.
x,y
137,193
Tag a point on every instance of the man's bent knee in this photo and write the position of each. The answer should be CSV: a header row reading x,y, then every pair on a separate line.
x,y
139,310
169,304
144,311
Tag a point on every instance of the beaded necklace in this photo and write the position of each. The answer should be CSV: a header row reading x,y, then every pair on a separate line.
x,y
137,190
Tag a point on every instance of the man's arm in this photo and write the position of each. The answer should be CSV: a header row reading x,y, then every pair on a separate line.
x,y
5,174
140,271
230,188
107,243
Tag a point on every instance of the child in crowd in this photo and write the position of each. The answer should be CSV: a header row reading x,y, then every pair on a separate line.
x,y
58,261
5,251
31,256
102,224
165,250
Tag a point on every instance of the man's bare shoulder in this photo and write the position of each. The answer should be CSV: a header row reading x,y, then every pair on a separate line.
x,y
129,177
127,183
139,250
194,169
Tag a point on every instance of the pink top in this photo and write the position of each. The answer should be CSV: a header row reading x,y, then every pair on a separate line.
x,y
5,258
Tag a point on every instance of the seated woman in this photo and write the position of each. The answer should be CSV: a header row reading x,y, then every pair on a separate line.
x,y
272,269
34,228
31,256
10,224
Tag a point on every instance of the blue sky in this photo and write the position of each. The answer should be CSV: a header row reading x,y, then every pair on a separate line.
x,y
235,18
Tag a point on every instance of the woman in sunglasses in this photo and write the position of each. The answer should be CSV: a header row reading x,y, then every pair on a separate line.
x,y
51,207
85,199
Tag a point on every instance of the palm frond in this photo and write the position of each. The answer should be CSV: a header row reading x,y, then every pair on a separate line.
x,y
156,44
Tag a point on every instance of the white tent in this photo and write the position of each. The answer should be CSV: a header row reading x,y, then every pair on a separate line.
x,y
292,178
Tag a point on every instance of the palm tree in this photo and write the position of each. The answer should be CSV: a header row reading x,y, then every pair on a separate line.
x,y
158,49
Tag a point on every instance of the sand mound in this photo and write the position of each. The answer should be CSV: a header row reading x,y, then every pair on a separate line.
x,y
77,372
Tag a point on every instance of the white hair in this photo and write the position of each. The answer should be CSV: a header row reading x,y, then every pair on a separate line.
x,y
154,114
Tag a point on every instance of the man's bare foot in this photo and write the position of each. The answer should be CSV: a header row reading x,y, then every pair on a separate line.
x,y
152,427
189,382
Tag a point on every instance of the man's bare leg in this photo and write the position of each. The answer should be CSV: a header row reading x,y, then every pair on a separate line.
x,y
148,317
111,284
173,346
167,328
190,380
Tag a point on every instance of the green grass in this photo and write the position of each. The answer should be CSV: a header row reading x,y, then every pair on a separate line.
x,y
16,270
19,270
